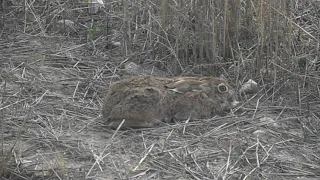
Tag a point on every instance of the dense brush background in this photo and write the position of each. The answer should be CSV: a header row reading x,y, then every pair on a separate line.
x,y
58,59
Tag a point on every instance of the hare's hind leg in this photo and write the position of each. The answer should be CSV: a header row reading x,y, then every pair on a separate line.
x,y
140,109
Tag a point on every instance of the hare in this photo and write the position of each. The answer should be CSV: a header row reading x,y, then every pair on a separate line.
x,y
148,101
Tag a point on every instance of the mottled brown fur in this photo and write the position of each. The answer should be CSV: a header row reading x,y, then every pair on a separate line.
x,y
144,101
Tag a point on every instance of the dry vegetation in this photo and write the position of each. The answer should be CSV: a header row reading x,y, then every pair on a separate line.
x,y
57,60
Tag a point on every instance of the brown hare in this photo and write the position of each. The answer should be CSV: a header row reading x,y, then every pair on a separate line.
x,y
147,101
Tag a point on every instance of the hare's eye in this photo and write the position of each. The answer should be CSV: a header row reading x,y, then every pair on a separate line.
x,y
222,88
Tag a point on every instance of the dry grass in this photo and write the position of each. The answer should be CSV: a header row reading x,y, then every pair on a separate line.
x,y
53,77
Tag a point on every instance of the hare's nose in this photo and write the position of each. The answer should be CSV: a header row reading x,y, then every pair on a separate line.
x,y
235,103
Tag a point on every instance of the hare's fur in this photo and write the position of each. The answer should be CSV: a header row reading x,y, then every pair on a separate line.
x,y
145,101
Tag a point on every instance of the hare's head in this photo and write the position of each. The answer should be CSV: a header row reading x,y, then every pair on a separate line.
x,y
221,92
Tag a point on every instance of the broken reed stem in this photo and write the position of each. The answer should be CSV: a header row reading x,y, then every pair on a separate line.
x,y
225,27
